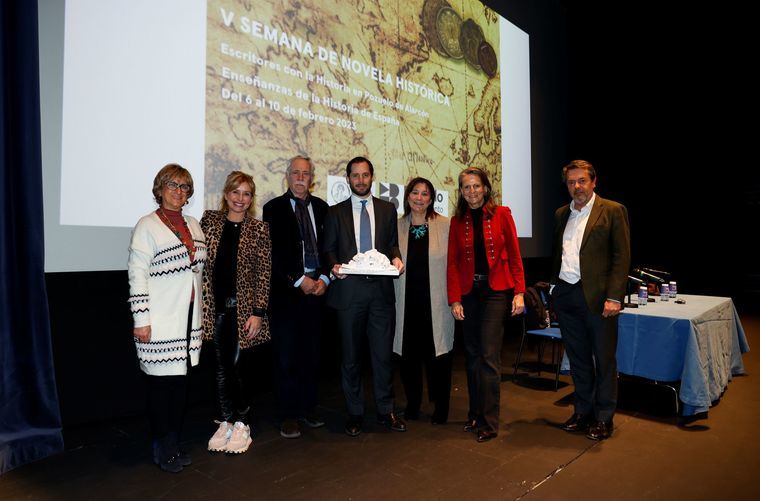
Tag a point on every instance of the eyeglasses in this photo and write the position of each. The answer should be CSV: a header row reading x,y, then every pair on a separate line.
x,y
173,186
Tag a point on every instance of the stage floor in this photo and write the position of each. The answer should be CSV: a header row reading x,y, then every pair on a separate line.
x,y
649,456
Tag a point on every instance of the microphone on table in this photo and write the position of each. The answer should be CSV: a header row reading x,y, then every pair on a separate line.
x,y
647,276
656,272
636,281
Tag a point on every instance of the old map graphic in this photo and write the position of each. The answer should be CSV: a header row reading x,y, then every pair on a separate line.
x,y
413,85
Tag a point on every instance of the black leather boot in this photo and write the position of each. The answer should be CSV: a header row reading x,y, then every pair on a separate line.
x,y
168,455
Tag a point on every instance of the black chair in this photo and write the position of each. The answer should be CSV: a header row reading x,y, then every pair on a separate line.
x,y
551,334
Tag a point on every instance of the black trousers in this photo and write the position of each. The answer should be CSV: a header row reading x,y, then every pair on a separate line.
x,y
296,332
483,330
167,399
438,374
233,402
370,316
590,342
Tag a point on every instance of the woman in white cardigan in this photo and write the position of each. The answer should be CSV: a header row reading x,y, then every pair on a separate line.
x,y
166,257
424,325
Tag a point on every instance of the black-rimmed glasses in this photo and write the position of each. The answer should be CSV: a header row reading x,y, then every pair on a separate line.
x,y
173,186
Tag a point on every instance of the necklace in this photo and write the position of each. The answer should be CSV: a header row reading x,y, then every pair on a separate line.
x,y
235,224
418,230
188,243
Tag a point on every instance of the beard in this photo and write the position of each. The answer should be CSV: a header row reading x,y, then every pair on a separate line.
x,y
359,193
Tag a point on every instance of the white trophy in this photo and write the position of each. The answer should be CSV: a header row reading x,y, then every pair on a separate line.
x,y
371,262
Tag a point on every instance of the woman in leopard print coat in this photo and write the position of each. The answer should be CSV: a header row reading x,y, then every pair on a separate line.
x,y
235,300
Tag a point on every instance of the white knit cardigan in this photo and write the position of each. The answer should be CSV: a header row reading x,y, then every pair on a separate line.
x,y
161,281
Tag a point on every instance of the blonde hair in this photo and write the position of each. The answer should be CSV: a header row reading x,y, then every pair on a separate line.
x,y
234,180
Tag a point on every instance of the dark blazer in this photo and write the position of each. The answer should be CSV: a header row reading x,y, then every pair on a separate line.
x,y
605,254
340,247
287,246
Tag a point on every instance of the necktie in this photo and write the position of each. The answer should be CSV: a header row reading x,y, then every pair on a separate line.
x,y
365,231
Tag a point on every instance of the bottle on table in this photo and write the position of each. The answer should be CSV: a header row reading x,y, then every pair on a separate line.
x,y
643,295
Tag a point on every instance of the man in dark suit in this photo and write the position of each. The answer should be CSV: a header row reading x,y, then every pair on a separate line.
x,y
365,304
592,256
299,281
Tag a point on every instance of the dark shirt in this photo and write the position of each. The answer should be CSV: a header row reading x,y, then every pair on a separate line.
x,y
417,269
418,322
479,246
225,267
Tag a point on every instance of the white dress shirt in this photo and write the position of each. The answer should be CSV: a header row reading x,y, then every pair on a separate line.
x,y
570,271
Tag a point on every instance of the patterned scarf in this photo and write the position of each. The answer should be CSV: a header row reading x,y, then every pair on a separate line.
x,y
310,254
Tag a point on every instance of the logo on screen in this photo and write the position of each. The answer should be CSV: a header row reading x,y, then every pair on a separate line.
x,y
391,192
337,189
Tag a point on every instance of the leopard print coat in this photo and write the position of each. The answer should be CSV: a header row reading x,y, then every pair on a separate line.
x,y
254,267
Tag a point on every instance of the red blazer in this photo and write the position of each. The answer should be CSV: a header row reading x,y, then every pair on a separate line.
x,y
502,252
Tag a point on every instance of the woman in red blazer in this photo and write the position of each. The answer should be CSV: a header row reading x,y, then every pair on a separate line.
x,y
484,279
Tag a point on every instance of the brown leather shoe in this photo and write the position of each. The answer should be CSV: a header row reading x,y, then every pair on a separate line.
x,y
471,425
391,421
578,423
486,435
600,430
354,426
290,429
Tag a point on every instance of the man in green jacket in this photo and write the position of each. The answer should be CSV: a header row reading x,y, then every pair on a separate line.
x,y
590,268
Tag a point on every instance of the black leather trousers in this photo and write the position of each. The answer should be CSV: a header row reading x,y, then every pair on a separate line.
x,y
233,402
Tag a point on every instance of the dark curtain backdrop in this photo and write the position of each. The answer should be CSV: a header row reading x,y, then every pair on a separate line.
x,y
30,424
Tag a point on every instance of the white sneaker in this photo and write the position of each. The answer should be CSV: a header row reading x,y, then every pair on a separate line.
x,y
240,439
218,442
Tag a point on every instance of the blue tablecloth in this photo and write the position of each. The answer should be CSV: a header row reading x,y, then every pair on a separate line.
x,y
699,343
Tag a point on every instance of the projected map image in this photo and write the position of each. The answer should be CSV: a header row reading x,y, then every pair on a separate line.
x,y
412,85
